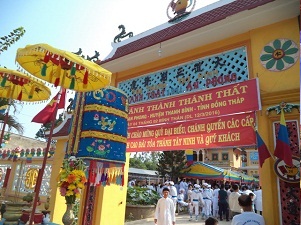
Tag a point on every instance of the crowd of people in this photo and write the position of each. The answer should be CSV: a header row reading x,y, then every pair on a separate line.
x,y
212,204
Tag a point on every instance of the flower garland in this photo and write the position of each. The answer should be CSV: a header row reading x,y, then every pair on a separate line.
x,y
72,179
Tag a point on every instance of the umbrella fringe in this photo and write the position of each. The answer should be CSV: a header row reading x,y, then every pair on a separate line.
x,y
3,81
72,84
20,96
85,81
57,82
31,92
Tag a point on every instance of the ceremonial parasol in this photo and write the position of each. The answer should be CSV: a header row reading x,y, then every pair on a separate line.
x,y
15,85
22,87
62,68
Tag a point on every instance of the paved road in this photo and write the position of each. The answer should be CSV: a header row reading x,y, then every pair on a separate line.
x,y
180,219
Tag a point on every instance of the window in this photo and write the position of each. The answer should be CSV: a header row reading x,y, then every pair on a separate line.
x,y
225,156
214,156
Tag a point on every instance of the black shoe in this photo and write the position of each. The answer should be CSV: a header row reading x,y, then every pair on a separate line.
x,y
221,219
228,220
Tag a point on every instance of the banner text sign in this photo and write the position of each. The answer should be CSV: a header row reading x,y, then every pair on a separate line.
x,y
217,132
225,100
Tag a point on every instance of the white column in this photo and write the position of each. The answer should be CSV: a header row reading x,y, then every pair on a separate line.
x,y
197,155
203,154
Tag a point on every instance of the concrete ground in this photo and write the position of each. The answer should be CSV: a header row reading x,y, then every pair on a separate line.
x,y
180,219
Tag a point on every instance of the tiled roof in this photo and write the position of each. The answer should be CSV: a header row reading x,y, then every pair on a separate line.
x,y
64,131
186,26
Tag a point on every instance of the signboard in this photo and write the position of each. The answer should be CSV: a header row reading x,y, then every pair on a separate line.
x,y
225,100
204,73
224,131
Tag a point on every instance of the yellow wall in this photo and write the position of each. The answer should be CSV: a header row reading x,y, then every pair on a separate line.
x,y
275,87
57,202
111,201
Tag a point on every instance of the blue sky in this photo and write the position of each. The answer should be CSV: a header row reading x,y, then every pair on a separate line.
x,y
73,24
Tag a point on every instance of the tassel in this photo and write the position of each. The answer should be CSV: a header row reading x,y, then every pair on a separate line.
x,y
73,70
85,80
3,81
56,82
20,96
46,57
72,83
114,178
31,92
43,71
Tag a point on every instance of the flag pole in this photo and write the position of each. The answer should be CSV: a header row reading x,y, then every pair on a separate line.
x,y
41,171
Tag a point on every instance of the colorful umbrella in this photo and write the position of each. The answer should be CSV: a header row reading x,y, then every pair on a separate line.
x,y
22,87
15,85
62,68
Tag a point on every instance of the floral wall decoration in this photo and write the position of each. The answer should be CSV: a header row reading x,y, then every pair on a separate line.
x,y
279,55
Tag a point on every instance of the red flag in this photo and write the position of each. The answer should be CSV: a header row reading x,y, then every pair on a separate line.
x,y
263,151
283,150
49,113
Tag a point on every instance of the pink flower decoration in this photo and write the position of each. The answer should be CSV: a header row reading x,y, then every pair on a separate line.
x,y
63,191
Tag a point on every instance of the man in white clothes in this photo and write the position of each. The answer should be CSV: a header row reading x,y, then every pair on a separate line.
x,y
207,196
258,200
173,193
235,208
183,185
165,212
215,201
197,199
247,216
189,199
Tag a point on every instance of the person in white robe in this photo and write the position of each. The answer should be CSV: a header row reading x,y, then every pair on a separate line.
x,y
197,200
258,200
173,193
181,202
165,212
215,201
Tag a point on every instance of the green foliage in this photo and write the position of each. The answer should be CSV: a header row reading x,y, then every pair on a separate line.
x,y
8,40
11,122
141,196
170,164
145,160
